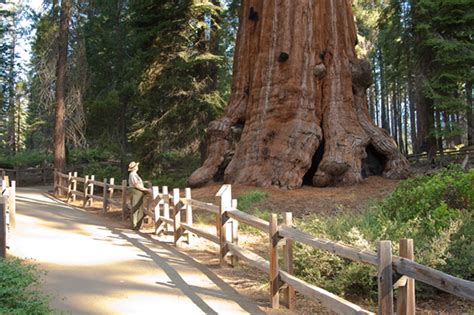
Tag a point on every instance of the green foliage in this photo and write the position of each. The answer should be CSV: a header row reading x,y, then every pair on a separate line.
x,y
436,211
102,170
246,200
26,159
79,156
18,294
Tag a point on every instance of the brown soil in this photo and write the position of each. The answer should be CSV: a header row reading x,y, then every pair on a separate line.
x,y
301,202
311,200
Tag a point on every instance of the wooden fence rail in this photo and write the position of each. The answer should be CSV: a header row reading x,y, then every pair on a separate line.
x,y
7,212
28,175
172,215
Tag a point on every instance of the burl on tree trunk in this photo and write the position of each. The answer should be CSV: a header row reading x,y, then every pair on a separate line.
x,y
298,107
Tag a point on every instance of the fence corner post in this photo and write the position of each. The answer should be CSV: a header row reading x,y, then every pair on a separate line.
x,y
224,200
289,295
274,275
406,294
384,278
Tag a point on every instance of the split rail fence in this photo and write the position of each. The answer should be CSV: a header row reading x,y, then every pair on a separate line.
x,y
7,213
28,175
172,213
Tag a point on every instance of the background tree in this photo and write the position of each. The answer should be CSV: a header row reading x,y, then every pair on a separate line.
x,y
59,131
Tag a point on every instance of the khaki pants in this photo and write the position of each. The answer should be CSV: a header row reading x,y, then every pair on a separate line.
x,y
138,212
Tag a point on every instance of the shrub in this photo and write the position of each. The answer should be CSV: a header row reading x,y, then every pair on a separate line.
x,y
246,200
26,159
18,294
436,211
101,171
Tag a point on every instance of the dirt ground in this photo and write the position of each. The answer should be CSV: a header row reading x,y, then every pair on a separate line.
x,y
301,202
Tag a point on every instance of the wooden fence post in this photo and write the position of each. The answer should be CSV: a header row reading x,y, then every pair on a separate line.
x,y
3,228
406,293
124,198
155,192
105,196
384,278
74,187
55,182
12,205
275,282
43,176
177,231
289,296
111,188
90,200
166,206
234,238
86,191
224,200
17,175
69,186
189,214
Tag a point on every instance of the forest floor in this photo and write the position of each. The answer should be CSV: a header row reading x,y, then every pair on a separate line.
x,y
301,202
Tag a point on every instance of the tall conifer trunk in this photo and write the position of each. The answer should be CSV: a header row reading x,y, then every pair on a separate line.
x,y
298,106
59,133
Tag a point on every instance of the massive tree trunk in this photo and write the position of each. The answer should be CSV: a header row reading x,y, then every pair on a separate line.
x,y
298,106
59,132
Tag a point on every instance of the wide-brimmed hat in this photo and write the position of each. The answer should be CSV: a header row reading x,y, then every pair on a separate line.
x,y
132,165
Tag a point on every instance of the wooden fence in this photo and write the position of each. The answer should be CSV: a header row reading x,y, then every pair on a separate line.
x,y
7,212
452,156
29,175
172,212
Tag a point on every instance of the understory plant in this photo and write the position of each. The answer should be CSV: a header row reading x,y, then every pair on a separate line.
x,y
19,292
436,211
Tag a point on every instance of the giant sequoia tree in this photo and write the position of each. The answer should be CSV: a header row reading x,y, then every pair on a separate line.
x,y
298,104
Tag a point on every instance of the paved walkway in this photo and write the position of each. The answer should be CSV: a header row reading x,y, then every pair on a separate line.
x,y
94,266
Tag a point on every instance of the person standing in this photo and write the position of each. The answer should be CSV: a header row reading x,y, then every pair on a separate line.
x,y
137,194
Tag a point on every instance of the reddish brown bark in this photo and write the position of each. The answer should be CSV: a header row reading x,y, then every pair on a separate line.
x,y
297,85
59,134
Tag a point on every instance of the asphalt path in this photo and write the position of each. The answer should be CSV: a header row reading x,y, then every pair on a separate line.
x,y
96,266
